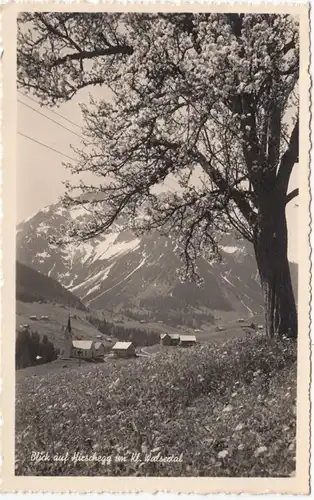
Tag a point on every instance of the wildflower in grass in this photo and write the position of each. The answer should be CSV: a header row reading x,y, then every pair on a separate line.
x,y
161,416
239,427
228,408
260,450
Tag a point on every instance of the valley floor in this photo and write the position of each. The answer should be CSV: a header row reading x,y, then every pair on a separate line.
x,y
225,409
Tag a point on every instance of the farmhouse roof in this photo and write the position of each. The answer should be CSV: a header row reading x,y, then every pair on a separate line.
x,y
174,336
122,345
187,338
163,335
97,345
82,344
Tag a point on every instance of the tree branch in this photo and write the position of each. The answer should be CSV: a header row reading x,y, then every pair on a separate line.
x,y
289,158
292,195
81,54
84,54
237,196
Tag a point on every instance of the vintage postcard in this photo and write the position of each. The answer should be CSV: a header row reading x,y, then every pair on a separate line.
x,y
155,248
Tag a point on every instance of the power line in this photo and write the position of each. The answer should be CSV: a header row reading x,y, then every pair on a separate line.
x,y
67,119
46,146
61,116
63,154
51,110
48,118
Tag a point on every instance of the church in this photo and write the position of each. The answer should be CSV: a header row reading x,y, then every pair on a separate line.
x,y
81,349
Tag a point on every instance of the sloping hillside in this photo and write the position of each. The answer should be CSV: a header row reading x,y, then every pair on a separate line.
x,y
226,410
57,317
32,286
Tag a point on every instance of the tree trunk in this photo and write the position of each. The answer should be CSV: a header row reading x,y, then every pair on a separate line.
x,y
271,246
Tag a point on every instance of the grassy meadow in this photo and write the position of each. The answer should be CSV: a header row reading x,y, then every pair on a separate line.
x,y
225,409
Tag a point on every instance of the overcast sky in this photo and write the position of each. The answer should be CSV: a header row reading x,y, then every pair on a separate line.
x,y
40,171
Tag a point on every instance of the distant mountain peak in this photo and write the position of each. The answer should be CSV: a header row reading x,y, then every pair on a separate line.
x,y
121,271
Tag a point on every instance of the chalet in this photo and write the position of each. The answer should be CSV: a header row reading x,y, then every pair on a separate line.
x,y
175,338
187,340
165,339
82,349
33,317
124,349
99,350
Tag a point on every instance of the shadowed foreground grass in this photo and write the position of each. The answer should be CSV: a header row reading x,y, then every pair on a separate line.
x,y
222,410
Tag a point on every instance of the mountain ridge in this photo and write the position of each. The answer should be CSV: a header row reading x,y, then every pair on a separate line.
x,y
120,271
33,286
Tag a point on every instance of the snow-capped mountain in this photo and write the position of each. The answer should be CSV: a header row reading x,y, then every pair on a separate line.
x,y
119,271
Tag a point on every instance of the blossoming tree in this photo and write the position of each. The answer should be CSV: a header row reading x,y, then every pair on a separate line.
x,y
206,96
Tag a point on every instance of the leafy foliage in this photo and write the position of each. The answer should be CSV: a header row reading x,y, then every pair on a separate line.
x,y
230,409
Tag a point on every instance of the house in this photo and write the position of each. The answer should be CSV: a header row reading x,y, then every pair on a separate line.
x,y
124,349
175,338
187,340
83,349
99,350
165,339
33,317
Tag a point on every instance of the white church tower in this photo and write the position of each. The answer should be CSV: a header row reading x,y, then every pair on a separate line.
x,y
67,341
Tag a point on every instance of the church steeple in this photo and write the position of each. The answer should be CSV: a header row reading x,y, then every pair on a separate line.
x,y
69,328
67,341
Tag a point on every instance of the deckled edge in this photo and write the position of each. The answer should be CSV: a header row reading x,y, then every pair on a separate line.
x,y
311,204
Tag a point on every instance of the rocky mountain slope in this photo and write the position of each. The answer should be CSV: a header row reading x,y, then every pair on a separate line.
x,y
121,272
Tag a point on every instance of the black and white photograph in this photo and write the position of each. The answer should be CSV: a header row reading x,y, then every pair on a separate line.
x,y
160,175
